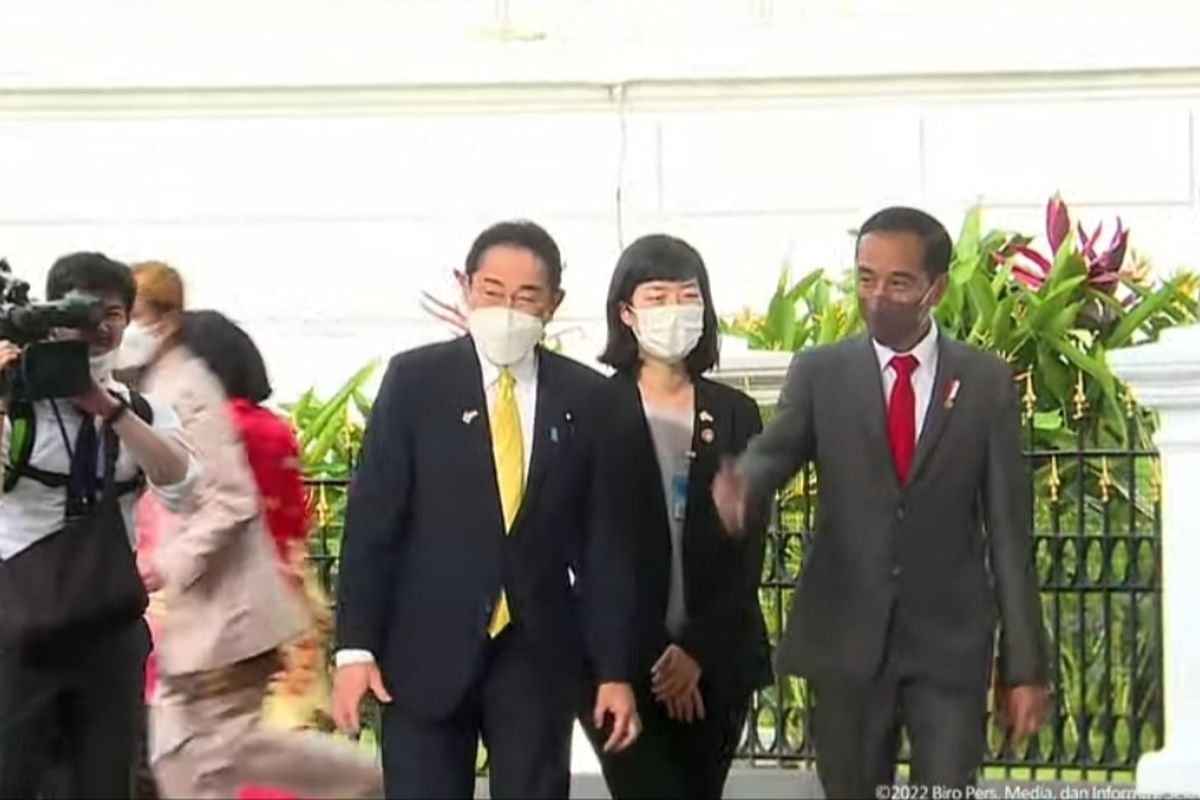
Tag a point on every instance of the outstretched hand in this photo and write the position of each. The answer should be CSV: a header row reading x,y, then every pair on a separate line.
x,y
729,496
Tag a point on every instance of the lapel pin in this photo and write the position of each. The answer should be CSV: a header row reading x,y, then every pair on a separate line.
x,y
469,416
707,435
952,393
705,416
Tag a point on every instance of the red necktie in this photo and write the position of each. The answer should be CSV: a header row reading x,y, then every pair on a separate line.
x,y
902,416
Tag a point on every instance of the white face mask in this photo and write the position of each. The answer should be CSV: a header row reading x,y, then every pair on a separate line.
x,y
138,346
102,366
669,333
505,335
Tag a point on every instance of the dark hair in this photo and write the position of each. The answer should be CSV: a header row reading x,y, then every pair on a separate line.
x,y
900,219
229,352
657,257
90,272
524,234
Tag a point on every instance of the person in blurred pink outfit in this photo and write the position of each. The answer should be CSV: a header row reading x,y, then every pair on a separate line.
x,y
227,610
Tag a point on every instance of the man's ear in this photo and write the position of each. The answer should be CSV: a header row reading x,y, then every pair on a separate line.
x,y
939,289
464,283
556,299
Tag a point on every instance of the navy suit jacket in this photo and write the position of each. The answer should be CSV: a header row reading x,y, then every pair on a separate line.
x,y
425,553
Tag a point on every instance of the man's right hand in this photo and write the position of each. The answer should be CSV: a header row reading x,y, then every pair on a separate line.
x,y
729,496
350,684
9,353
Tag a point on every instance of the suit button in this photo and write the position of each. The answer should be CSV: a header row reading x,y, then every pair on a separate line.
x,y
900,512
895,572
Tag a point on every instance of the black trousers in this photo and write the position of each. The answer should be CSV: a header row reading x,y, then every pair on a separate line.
x,y
69,720
520,709
857,732
673,759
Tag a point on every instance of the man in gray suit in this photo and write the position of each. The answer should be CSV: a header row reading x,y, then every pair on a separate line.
x,y
923,535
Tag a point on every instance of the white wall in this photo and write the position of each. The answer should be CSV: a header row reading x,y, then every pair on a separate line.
x,y
312,171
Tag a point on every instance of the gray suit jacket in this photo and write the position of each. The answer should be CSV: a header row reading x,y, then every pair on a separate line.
x,y
921,573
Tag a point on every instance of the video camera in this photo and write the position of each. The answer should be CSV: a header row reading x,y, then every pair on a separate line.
x,y
46,368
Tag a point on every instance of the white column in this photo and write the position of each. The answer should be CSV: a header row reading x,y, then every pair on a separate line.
x,y
1165,377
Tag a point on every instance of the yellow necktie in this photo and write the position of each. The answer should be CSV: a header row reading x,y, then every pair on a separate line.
x,y
508,451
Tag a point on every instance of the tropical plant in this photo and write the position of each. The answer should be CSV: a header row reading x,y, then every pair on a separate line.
x,y
329,431
1053,318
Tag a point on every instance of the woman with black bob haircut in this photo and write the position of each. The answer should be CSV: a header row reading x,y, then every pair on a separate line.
x,y
699,644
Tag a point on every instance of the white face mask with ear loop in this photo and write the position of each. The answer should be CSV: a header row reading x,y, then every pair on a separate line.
x,y
505,335
138,346
669,333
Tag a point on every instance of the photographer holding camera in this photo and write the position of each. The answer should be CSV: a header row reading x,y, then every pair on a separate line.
x,y
78,449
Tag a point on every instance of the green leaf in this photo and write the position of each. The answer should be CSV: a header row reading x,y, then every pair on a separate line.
x,y
336,406
1002,325
780,323
1137,316
1048,420
979,289
314,456
1067,264
969,236
1092,366
1063,320
1054,374
302,407
362,404
1114,418
1001,280
832,325
1063,288
805,284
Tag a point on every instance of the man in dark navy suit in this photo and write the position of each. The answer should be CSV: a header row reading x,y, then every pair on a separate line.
x,y
481,586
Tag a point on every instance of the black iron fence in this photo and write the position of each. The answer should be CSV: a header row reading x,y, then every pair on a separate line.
x,y
1097,527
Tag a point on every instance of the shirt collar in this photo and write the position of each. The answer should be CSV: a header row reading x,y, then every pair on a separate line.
x,y
523,372
925,350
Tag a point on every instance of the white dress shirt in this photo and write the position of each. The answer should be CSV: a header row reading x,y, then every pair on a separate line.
x,y
524,372
32,511
926,353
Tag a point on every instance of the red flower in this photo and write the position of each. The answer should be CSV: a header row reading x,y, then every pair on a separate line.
x,y
1103,267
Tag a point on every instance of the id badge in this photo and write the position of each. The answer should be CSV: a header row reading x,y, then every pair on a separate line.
x,y
679,492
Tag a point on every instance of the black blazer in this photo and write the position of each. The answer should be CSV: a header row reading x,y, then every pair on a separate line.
x,y
725,631
425,553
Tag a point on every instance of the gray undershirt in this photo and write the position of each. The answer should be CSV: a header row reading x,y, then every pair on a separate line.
x,y
671,430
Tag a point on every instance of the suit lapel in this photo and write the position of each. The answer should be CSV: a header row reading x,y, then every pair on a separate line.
x,y
867,380
470,411
551,421
706,439
937,413
709,428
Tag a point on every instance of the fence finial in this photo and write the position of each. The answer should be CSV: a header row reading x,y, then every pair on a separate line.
x,y
322,508
1030,397
1079,398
